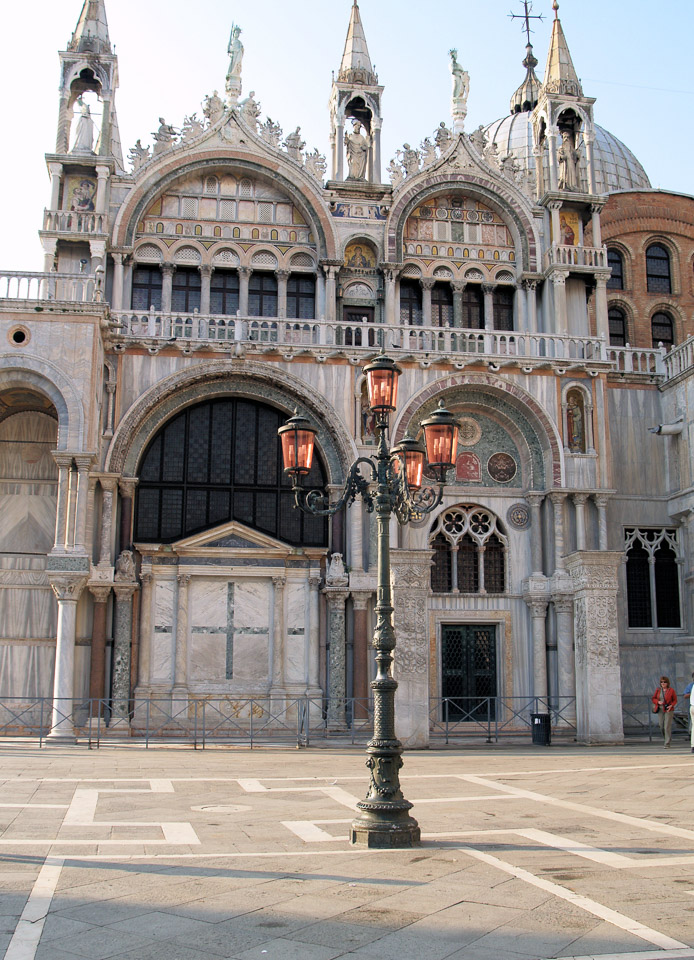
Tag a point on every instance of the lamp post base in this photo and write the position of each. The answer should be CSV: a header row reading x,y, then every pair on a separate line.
x,y
399,831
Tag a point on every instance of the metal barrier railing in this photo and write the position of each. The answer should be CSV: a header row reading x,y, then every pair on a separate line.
x,y
640,721
454,718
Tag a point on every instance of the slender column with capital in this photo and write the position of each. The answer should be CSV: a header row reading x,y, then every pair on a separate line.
x,y
376,127
560,312
56,172
601,504
339,151
180,687
277,689
390,274
97,665
458,288
109,486
117,288
331,271
337,667
282,278
579,500
360,599
538,612
531,304
64,464
144,666
488,294
602,323
589,140
535,503
244,280
127,492
566,663
167,272
102,173
539,171
122,639
83,462
558,505
595,224
427,287
314,634
67,590
64,117
552,135
205,279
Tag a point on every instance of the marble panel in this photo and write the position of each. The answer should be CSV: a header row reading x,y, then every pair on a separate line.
x,y
296,605
251,657
164,603
26,669
208,603
207,656
162,638
28,613
211,620
252,604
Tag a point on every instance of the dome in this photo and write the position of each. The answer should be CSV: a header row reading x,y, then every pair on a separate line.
x,y
616,167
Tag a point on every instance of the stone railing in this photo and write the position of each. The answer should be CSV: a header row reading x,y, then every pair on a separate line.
x,y
69,221
636,360
680,359
566,255
322,336
66,287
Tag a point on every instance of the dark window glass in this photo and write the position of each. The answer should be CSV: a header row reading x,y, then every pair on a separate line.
x,y
658,269
468,568
441,570
468,671
667,594
473,307
615,262
503,308
185,290
662,330
221,461
618,327
224,293
262,295
638,587
442,305
146,288
301,297
494,565
410,303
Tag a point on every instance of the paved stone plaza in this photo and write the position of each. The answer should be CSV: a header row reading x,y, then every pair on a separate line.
x,y
172,854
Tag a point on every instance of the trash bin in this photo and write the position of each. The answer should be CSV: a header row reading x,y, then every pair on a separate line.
x,y
542,732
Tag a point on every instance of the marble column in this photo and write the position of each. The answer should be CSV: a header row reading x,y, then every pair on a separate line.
x,y
390,275
376,127
50,246
559,294
167,272
552,134
83,463
520,307
67,590
458,288
97,665
535,503
180,687
314,581
530,287
337,667
64,464
331,271
110,396
144,665
601,504
205,280
282,278
427,286
579,500
127,492
602,323
102,174
109,485
539,171
63,136
360,600
558,508
598,678
277,690
410,583
538,613
564,612
244,280
488,295
339,152
589,140
56,172
595,224
122,640
117,286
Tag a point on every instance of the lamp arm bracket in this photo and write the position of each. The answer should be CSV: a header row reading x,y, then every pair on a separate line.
x,y
313,502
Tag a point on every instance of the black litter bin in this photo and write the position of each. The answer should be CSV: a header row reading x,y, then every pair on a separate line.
x,y
542,732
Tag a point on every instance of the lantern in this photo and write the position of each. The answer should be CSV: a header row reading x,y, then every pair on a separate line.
x,y
297,436
441,439
382,381
412,453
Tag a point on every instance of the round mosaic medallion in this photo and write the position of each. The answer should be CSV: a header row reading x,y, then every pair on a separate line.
x,y
469,432
502,467
518,516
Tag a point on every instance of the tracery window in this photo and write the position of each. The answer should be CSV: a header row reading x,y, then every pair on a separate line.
x,y
442,305
469,551
653,596
658,278
503,308
146,290
618,327
662,330
262,295
473,307
224,293
301,296
616,264
220,461
185,290
410,303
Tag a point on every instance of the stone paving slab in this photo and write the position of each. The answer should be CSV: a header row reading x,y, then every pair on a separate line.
x,y
173,854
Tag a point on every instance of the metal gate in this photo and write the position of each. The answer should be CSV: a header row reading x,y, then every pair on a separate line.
x,y
468,669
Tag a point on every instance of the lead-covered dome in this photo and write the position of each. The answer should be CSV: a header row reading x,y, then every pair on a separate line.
x,y
616,167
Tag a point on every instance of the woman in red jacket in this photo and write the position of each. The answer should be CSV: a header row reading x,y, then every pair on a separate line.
x,y
664,700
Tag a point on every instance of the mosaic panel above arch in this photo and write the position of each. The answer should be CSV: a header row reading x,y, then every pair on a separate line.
x,y
459,228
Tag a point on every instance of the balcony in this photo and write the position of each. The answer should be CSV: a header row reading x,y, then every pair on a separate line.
x,y
680,360
63,287
566,255
72,222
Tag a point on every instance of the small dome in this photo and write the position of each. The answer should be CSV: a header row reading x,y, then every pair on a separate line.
x,y
616,167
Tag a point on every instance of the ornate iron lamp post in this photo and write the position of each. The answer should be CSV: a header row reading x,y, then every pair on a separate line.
x,y
391,481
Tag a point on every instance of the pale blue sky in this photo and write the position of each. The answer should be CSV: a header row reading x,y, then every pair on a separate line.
x,y
634,58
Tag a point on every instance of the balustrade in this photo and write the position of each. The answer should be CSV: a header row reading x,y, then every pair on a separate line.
x,y
72,221
567,255
66,287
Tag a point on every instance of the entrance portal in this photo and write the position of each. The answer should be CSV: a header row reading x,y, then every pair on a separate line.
x,y
468,670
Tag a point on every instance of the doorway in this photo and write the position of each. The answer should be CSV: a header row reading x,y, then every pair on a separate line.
x,y
468,669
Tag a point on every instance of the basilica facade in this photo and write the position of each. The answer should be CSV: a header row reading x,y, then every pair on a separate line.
x,y
196,295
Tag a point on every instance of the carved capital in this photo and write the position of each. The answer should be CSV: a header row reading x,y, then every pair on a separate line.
x,y
488,288
67,589
127,486
245,271
84,461
100,591
459,285
427,283
535,500
314,582
529,284
579,498
282,274
538,608
167,269
601,501
279,582
183,579
557,498
206,269
563,605
360,599
124,591
62,460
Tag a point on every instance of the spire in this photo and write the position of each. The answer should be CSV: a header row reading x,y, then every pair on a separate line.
x,y
356,62
524,100
560,76
91,32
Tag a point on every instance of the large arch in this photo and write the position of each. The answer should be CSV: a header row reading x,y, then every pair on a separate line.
x,y
530,418
218,378
21,370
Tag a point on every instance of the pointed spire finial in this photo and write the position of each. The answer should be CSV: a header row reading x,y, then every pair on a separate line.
x,y
560,75
356,63
91,32
555,7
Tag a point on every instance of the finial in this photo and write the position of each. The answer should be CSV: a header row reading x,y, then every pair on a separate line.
x,y
555,7
526,17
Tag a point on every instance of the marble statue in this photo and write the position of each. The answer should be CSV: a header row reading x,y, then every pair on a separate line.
x,y
428,152
250,111
461,81
192,128
442,137
410,160
491,154
235,51
315,164
164,137
271,132
294,145
568,162
337,576
478,139
125,566
213,108
509,167
396,173
357,147
84,137
139,155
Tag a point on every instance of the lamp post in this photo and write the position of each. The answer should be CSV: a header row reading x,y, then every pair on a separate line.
x,y
393,484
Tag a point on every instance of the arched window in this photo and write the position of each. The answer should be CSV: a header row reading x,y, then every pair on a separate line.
x,y
301,296
410,303
442,305
220,461
146,291
503,308
658,269
473,307
662,330
652,601
262,295
616,264
618,327
185,290
224,293
469,551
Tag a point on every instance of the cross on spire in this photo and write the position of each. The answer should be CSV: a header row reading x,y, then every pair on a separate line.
x,y
526,16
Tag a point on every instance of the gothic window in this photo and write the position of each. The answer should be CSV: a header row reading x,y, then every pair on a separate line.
x,y
503,308
618,327
473,307
262,295
185,290
224,293
410,303
146,288
662,330
469,551
658,269
442,305
220,461
653,596
301,296
616,264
